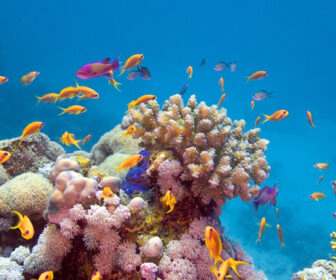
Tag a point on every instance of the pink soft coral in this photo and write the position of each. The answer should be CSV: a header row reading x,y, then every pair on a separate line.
x,y
127,259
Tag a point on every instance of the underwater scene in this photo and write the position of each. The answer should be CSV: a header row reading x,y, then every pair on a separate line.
x,y
167,140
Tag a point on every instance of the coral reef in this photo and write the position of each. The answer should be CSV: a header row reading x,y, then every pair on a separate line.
x,y
321,269
10,270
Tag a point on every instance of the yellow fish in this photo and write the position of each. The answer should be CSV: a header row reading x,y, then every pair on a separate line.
x,y
4,156
129,162
221,100
68,92
86,139
107,193
131,62
142,99
189,71
29,78
129,131
74,109
25,226
96,276
69,139
3,80
317,196
31,129
86,92
170,200
252,105
280,235
49,97
310,118
213,243
48,275
261,229
257,121
224,267
257,75
221,83
321,166
277,116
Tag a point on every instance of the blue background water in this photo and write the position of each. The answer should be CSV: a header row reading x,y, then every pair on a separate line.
x,y
293,40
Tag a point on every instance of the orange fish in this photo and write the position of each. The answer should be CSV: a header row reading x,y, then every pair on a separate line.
x,y
257,121
131,62
86,92
221,83
170,200
310,118
107,193
261,229
189,71
213,243
24,225
129,131
68,92
3,80
48,275
29,78
277,116
96,276
221,273
69,139
280,235
74,109
321,166
49,97
317,196
86,139
142,99
31,129
257,75
111,80
252,105
129,162
221,100
4,156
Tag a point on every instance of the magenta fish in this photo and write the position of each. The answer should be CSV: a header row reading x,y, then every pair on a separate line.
x,y
267,194
97,69
261,95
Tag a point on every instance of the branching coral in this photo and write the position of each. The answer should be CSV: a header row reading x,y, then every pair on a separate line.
x,y
208,149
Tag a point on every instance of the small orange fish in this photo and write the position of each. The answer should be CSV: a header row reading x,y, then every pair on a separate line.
x,y
280,235
69,139
221,100
252,105
24,225
261,229
222,271
170,200
257,75
111,80
129,131
49,97
321,166
317,196
107,193
3,80
129,162
257,121
48,275
213,243
189,71
31,129
86,92
68,92
310,118
29,78
142,99
4,156
221,83
96,276
131,62
86,139
74,109
277,116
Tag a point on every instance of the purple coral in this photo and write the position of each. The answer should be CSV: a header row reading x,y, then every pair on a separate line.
x,y
149,271
127,259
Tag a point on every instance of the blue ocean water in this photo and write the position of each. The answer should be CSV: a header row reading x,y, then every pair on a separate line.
x,y
293,40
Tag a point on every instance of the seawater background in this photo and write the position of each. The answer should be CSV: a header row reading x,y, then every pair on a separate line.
x,y
293,40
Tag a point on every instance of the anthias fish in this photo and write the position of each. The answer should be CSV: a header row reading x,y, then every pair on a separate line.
x,y
214,243
258,75
267,194
97,69
189,71
31,129
261,95
129,162
4,156
170,200
3,80
276,116
131,62
24,225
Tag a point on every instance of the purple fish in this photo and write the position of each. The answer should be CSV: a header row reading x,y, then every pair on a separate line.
x,y
261,95
220,66
97,69
267,194
144,72
184,89
131,76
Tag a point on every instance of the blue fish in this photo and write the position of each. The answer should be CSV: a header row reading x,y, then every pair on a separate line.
x,y
267,194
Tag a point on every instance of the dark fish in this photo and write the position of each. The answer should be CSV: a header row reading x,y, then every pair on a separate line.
x,y
202,62
261,95
184,89
334,186
144,72
267,194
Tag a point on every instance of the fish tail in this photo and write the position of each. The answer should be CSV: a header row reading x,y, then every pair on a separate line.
x,y
38,99
121,72
63,111
267,118
213,269
283,245
248,78
115,84
20,220
258,240
76,144
77,85
234,266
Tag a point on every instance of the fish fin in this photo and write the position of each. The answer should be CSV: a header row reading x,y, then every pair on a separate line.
x,y
63,111
76,144
213,269
258,241
171,209
218,259
255,205
20,220
115,65
38,99
283,245
121,72
248,78
267,118
104,61
115,84
268,225
77,85
234,266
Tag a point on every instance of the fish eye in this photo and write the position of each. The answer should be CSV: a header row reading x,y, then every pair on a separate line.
x,y
26,232
211,229
5,154
95,273
218,274
110,195
47,276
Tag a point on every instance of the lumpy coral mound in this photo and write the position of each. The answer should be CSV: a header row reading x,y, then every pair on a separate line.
x,y
198,150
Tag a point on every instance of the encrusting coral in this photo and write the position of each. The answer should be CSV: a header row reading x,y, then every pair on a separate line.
x,y
200,146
